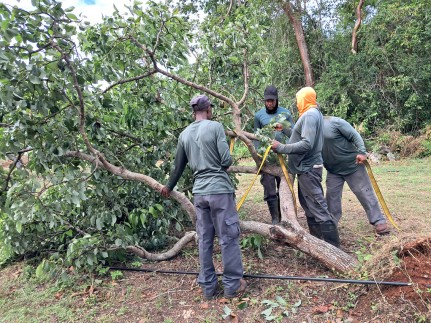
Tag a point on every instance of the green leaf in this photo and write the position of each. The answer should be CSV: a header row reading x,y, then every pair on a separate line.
x,y
99,224
34,79
298,303
39,269
267,312
227,312
259,254
242,305
280,300
18,226
71,16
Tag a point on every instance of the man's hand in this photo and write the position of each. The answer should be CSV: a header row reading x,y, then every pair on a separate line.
x,y
360,158
274,145
278,127
166,192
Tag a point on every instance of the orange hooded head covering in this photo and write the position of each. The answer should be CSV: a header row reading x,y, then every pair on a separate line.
x,y
305,99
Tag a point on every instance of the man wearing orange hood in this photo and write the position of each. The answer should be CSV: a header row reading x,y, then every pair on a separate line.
x,y
305,160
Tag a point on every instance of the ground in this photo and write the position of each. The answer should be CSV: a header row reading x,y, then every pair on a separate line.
x,y
128,296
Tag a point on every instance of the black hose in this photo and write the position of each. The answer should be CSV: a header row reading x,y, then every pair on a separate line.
x,y
332,280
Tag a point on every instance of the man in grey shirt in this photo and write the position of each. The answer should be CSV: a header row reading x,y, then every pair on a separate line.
x,y
343,155
203,146
305,160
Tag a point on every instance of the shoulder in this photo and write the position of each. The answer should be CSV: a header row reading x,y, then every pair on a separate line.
x,y
213,124
260,112
284,110
313,113
330,120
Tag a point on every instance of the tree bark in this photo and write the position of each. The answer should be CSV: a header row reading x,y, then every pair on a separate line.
x,y
295,20
357,25
141,252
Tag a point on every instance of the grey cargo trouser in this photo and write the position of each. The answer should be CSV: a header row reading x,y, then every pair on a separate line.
x,y
310,195
360,184
216,215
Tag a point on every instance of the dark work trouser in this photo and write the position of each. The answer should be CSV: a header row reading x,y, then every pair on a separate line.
x,y
216,215
319,219
270,185
310,194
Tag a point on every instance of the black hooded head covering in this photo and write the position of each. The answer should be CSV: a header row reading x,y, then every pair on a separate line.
x,y
271,93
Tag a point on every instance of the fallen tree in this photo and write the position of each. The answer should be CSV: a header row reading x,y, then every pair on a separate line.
x,y
60,100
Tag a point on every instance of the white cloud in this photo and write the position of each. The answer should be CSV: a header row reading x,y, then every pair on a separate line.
x,y
93,10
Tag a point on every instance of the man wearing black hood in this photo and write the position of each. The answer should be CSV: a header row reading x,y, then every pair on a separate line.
x,y
262,118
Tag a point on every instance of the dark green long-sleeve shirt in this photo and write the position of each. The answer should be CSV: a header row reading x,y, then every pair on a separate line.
x,y
305,144
204,147
342,143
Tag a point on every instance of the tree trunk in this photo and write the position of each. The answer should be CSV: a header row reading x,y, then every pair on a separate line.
x,y
291,233
357,25
295,20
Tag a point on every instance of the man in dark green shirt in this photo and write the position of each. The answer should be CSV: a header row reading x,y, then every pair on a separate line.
x,y
305,160
203,146
343,153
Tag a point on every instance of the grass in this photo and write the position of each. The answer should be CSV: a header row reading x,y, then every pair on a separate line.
x,y
406,187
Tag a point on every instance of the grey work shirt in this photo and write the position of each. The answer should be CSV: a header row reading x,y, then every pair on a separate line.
x,y
305,144
204,147
342,143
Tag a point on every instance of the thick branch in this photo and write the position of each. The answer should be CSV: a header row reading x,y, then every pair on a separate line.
x,y
141,252
126,174
181,80
131,79
357,25
249,135
246,80
78,90
15,162
332,257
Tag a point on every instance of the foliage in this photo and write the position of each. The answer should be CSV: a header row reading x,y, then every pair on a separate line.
x,y
388,81
283,307
63,207
253,242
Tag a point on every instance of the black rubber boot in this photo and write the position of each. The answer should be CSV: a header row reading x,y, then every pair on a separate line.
x,y
314,228
330,233
273,207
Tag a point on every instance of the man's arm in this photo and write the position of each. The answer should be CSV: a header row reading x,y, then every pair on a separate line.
x,y
223,148
257,125
308,136
179,166
288,130
348,132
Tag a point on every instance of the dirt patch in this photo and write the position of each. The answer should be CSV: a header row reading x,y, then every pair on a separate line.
x,y
414,266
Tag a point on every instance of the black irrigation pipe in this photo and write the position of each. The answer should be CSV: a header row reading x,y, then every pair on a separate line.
x,y
331,280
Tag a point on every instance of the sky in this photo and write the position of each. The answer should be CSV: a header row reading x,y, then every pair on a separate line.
x,y
92,9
